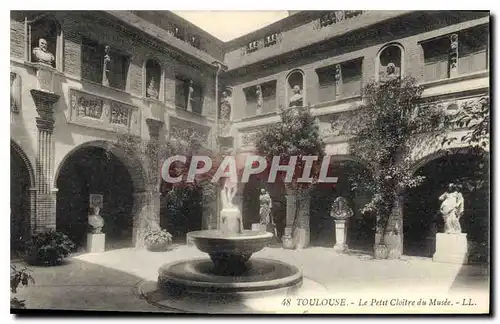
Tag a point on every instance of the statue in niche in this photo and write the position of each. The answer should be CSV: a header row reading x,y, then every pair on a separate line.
x,y
341,209
265,207
190,99
452,208
151,91
260,99
225,106
95,220
42,54
106,66
296,100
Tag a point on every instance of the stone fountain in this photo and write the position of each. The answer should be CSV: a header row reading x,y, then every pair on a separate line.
x,y
230,271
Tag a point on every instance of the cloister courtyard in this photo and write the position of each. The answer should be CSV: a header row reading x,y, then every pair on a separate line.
x,y
115,280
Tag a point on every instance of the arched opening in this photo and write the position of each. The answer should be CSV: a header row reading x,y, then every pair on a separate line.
x,y
20,184
251,203
43,34
422,219
153,79
94,170
360,228
295,89
181,211
390,62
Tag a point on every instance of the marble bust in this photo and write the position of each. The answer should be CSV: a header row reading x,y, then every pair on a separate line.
x,y
151,92
340,209
452,208
96,221
41,53
296,100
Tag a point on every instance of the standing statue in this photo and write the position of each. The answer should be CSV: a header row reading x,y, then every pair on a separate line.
x,y
96,221
265,207
452,208
260,99
41,53
340,209
106,66
189,104
231,219
151,92
225,106
296,100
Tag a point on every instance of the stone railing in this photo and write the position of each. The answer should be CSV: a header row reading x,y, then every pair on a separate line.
x,y
104,113
334,17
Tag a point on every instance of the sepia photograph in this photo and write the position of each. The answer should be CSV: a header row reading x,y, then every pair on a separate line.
x,y
250,162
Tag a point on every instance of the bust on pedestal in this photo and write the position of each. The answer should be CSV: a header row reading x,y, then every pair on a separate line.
x,y
95,239
451,246
340,212
45,66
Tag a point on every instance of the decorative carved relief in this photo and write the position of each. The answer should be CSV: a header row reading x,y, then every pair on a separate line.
x,y
15,92
248,138
335,17
453,55
90,107
119,114
338,79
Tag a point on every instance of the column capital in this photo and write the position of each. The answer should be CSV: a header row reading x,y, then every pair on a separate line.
x,y
154,126
44,102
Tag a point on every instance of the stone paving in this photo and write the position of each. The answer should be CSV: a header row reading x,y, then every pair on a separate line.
x,y
109,280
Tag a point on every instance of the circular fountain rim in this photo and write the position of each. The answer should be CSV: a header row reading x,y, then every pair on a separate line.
x,y
235,237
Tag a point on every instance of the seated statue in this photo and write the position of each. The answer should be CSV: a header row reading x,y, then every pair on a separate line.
x,y
296,100
96,221
41,53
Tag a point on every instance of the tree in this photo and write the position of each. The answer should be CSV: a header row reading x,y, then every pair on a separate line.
x,y
296,134
385,128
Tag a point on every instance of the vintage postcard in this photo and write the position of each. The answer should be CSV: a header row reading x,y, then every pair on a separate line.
x,y
317,162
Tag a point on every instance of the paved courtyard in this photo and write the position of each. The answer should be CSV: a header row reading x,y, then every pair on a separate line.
x,y
110,280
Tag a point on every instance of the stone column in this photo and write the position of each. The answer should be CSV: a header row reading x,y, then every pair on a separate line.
x,y
146,211
340,235
45,194
302,231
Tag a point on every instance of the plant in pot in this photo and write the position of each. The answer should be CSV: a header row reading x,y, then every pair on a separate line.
x,y
158,240
48,248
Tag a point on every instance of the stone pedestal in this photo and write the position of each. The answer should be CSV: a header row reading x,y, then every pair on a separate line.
x,y
340,235
95,242
451,248
45,77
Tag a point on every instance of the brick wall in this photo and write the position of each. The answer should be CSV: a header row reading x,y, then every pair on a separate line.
x,y
17,39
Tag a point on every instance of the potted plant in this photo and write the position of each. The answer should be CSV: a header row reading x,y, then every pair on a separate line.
x,y
48,248
158,240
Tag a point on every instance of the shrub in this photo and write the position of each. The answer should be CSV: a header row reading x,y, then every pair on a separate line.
x,y
159,240
19,278
48,248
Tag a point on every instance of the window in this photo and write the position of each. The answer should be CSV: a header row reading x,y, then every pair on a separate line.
x,y
153,79
436,59
252,46
270,40
97,57
188,94
261,98
351,78
473,50
43,34
194,41
327,84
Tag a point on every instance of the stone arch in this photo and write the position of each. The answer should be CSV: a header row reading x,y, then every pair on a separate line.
x,y
26,160
389,53
153,69
294,78
133,164
322,227
421,216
